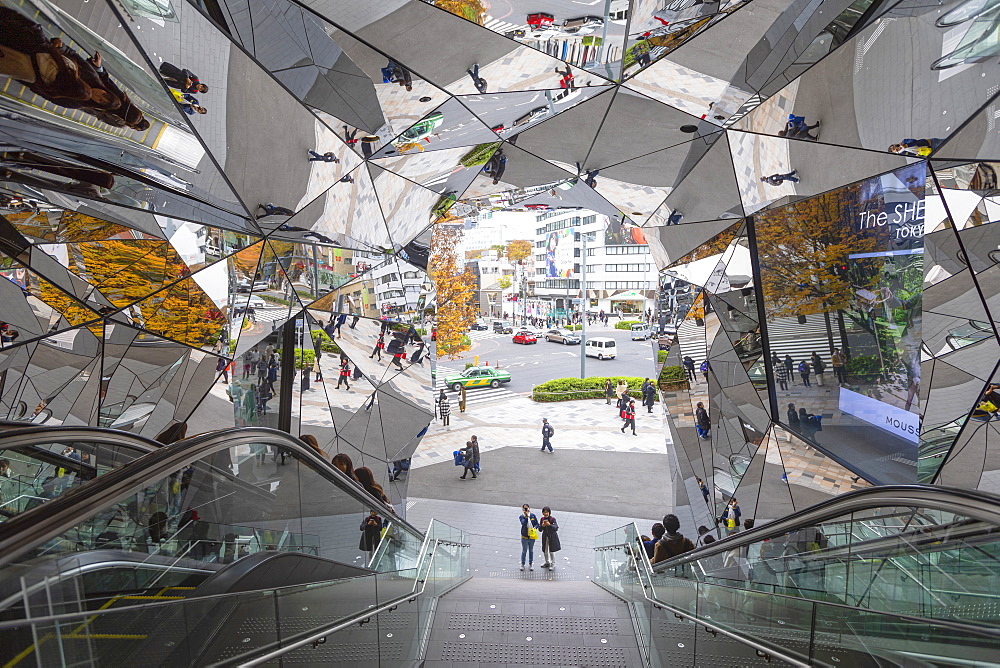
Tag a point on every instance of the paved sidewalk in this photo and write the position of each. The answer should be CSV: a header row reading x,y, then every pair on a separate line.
x,y
588,424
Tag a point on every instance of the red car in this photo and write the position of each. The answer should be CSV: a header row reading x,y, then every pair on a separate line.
x,y
540,20
525,337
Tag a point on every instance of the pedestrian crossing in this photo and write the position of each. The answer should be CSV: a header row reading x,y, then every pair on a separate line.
x,y
479,395
503,27
483,334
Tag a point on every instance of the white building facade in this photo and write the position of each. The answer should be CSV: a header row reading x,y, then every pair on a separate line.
x,y
620,277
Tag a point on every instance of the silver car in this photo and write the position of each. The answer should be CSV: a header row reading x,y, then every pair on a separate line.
x,y
562,336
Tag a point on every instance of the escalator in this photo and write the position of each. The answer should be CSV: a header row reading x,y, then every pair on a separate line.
x,y
885,576
39,463
203,551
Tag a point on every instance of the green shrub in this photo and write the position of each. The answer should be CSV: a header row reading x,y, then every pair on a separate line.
x,y
326,344
863,366
661,356
573,328
627,324
592,387
672,378
479,155
304,358
274,300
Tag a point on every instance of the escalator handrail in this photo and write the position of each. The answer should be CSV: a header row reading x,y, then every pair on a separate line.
x,y
976,504
958,626
20,534
29,435
772,651
279,648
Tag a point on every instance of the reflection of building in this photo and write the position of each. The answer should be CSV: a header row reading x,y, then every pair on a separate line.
x,y
619,277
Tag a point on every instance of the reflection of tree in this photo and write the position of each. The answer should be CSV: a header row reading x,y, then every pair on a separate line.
x,y
455,291
803,249
518,250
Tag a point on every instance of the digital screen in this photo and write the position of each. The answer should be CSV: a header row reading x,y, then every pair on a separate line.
x,y
559,254
841,278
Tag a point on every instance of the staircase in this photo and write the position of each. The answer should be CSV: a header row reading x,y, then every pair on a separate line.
x,y
537,622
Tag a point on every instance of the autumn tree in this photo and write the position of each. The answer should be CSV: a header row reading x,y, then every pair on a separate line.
x,y
456,289
518,250
504,282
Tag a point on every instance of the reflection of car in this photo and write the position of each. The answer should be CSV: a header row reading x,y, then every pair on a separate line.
x,y
514,33
259,286
581,21
524,336
540,20
583,25
254,303
727,481
561,336
641,332
422,128
537,112
477,376
479,327
536,207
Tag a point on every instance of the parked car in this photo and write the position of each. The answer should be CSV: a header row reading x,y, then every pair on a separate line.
x,y
524,336
562,336
477,376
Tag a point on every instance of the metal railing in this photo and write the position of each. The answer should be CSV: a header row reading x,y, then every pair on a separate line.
x,y
30,529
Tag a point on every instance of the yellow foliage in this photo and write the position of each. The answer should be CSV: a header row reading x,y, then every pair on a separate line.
x,y
518,250
456,292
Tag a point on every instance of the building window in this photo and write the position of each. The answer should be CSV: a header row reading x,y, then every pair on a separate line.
x,y
594,267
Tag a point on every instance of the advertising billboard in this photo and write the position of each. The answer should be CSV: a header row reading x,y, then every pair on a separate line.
x,y
841,275
559,254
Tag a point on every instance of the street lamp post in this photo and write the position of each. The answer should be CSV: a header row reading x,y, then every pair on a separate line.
x,y
583,305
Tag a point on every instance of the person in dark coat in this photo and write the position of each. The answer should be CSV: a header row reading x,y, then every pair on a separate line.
x,y
549,529
609,391
649,397
471,451
59,74
371,533
702,421
688,364
183,80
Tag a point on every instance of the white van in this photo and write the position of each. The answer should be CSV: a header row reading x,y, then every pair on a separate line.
x,y
641,332
601,347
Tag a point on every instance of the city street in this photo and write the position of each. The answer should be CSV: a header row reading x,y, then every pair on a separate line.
x,y
536,363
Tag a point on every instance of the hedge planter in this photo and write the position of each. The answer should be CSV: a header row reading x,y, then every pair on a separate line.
x,y
573,389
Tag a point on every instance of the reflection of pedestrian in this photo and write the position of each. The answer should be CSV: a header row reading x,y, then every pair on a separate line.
x,y
350,136
183,80
837,360
270,209
780,373
479,82
703,487
818,368
325,157
345,373
591,178
59,74
687,362
789,366
778,179
797,128
379,347
918,147
566,78
675,217
804,372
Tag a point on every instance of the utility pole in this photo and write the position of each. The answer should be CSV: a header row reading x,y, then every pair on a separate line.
x,y
583,305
